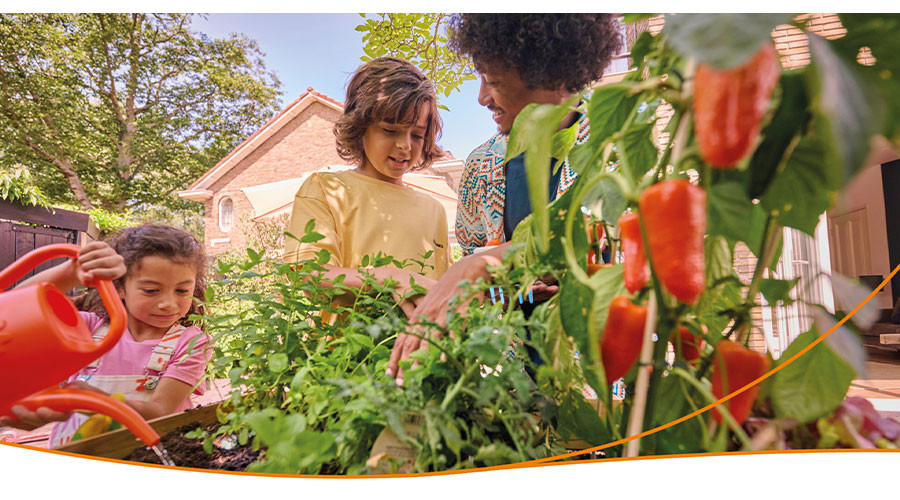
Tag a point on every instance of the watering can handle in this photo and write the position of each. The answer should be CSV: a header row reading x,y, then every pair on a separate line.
x,y
118,318
66,400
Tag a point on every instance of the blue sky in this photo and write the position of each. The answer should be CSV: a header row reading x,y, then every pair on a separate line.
x,y
323,50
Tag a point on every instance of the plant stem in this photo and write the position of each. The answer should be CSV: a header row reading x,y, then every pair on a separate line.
x,y
726,415
771,238
451,394
635,424
679,141
662,167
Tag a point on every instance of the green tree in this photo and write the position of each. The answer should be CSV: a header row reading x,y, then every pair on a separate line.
x,y
420,39
120,111
17,185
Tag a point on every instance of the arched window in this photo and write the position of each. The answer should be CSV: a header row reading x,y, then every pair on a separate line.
x,y
226,214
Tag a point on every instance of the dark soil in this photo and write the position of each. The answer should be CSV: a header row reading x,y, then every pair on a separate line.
x,y
187,452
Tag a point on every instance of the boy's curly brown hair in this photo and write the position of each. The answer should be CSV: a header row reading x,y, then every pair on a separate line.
x,y
392,90
135,243
548,51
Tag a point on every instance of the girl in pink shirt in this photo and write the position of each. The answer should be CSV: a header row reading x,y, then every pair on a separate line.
x,y
161,358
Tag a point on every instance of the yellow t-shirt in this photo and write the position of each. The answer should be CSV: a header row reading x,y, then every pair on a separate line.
x,y
359,215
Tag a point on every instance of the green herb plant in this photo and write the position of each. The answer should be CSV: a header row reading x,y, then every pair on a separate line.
x,y
310,382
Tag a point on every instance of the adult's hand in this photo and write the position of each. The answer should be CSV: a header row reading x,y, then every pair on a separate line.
x,y
433,306
407,304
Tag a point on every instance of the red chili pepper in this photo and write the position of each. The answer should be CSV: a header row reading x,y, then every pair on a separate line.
x,y
729,104
620,344
595,237
674,215
636,271
741,366
687,344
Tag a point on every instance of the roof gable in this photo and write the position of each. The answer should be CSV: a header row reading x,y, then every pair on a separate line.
x,y
200,189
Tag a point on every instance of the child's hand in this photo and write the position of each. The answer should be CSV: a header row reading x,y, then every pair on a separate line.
x,y
30,420
97,260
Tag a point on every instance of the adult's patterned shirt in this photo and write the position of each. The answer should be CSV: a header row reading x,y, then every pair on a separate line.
x,y
482,190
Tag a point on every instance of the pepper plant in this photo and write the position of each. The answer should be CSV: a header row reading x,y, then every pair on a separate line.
x,y
749,149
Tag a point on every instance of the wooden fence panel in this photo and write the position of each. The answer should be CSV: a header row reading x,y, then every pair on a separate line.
x,y
23,229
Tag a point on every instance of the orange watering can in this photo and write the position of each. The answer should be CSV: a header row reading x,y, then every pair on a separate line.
x,y
43,341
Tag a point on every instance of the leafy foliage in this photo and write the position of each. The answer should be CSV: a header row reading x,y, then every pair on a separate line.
x,y
16,184
120,110
420,39
314,393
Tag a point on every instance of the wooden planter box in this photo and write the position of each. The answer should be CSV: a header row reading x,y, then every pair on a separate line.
x,y
121,442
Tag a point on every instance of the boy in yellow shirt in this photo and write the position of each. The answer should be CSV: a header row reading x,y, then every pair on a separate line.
x,y
390,126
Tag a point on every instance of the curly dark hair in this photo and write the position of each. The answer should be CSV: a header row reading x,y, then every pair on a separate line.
x,y
392,90
548,51
135,243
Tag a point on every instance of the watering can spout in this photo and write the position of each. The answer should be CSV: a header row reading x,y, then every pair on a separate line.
x,y
66,400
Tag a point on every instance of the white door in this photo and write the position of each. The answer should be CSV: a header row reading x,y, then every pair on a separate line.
x,y
848,238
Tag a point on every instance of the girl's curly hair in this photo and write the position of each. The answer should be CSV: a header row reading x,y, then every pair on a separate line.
x,y
548,51
391,90
135,243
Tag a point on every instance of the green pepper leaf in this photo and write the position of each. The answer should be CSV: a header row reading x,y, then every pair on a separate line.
x,y
716,307
799,195
848,293
775,290
562,142
718,252
633,18
676,399
583,157
812,385
557,213
790,119
641,47
578,419
756,228
843,342
575,302
532,133
608,110
728,210
721,40
640,154
606,200
849,104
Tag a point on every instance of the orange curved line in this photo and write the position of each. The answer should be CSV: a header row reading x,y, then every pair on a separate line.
x,y
541,462
735,393
518,465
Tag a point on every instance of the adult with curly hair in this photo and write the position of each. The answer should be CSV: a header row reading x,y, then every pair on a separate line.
x,y
522,59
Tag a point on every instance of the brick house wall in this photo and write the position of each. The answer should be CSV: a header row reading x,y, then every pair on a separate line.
x,y
304,144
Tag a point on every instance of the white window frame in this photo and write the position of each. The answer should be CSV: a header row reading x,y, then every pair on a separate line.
x,y
226,221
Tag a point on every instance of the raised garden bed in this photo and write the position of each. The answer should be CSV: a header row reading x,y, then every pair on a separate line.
x,y
121,442
187,452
